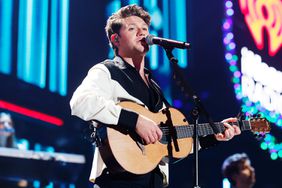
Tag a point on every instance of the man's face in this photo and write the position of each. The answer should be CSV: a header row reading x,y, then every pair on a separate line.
x,y
132,33
246,174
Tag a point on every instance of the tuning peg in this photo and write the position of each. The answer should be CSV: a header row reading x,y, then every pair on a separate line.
x,y
240,114
259,136
249,115
263,135
257,116
256,134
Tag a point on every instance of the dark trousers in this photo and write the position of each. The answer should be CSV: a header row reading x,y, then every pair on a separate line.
x,y
152,179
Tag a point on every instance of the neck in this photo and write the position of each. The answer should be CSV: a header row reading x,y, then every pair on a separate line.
x,y
137,62
241,185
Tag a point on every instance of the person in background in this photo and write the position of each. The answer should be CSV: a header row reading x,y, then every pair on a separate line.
x,y
125,78
7,131
8,140
238,170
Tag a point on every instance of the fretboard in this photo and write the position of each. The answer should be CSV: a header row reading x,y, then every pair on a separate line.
x,y
203,129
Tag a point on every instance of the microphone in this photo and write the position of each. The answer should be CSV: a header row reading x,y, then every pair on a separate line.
x,y
166,43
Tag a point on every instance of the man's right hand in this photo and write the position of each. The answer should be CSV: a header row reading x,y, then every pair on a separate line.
x,y
148,130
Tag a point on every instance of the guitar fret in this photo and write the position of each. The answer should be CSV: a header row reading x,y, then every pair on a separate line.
x,y
203,129
186,131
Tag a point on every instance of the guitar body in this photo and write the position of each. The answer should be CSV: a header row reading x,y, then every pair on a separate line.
x,y
124,152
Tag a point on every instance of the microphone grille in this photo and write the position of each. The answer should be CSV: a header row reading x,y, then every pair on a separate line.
x,y
149,39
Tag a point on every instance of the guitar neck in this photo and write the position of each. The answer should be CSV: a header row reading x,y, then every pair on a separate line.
x,y
204,129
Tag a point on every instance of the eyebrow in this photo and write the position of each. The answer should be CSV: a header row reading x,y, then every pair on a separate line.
x,y
143,24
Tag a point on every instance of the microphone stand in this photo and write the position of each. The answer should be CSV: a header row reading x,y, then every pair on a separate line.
x,y
196,111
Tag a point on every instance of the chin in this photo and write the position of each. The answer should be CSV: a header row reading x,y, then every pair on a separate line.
x,y
252,181
143,52
145,48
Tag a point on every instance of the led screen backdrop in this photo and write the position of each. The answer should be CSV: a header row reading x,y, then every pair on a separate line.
x,y
253,49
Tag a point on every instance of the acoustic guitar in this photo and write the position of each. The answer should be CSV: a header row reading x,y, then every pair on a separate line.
x,y
123,151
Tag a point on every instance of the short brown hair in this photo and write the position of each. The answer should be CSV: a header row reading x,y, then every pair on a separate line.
x,y
231,164
114,22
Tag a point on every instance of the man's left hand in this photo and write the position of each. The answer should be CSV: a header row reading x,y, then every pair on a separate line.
x,y
230,131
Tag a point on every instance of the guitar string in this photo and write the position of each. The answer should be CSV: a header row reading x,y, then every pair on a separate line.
x,y
186,130
219,125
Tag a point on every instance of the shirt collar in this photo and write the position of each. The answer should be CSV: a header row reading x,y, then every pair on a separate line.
x,y
121,63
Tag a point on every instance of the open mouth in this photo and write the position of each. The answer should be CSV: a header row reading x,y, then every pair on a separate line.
x,y
143,42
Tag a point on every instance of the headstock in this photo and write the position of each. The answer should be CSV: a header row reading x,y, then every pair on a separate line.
x,y
259,125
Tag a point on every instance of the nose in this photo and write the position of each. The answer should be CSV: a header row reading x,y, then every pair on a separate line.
x,y
141,32
252,169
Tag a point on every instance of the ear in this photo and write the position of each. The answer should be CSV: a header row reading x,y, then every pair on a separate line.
x,y
115,39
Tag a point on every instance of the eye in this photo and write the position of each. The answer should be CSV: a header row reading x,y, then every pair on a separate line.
x,y
145,29
131,28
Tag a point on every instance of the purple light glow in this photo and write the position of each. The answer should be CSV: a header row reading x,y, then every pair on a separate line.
x,y
226,25
239,96
237,74
226,40
236,86
232,62
249,103
177,103
232,45
228,56
230,35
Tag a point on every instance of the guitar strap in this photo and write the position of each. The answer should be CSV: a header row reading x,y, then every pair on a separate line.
x,y
160,93
93,134
172,136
